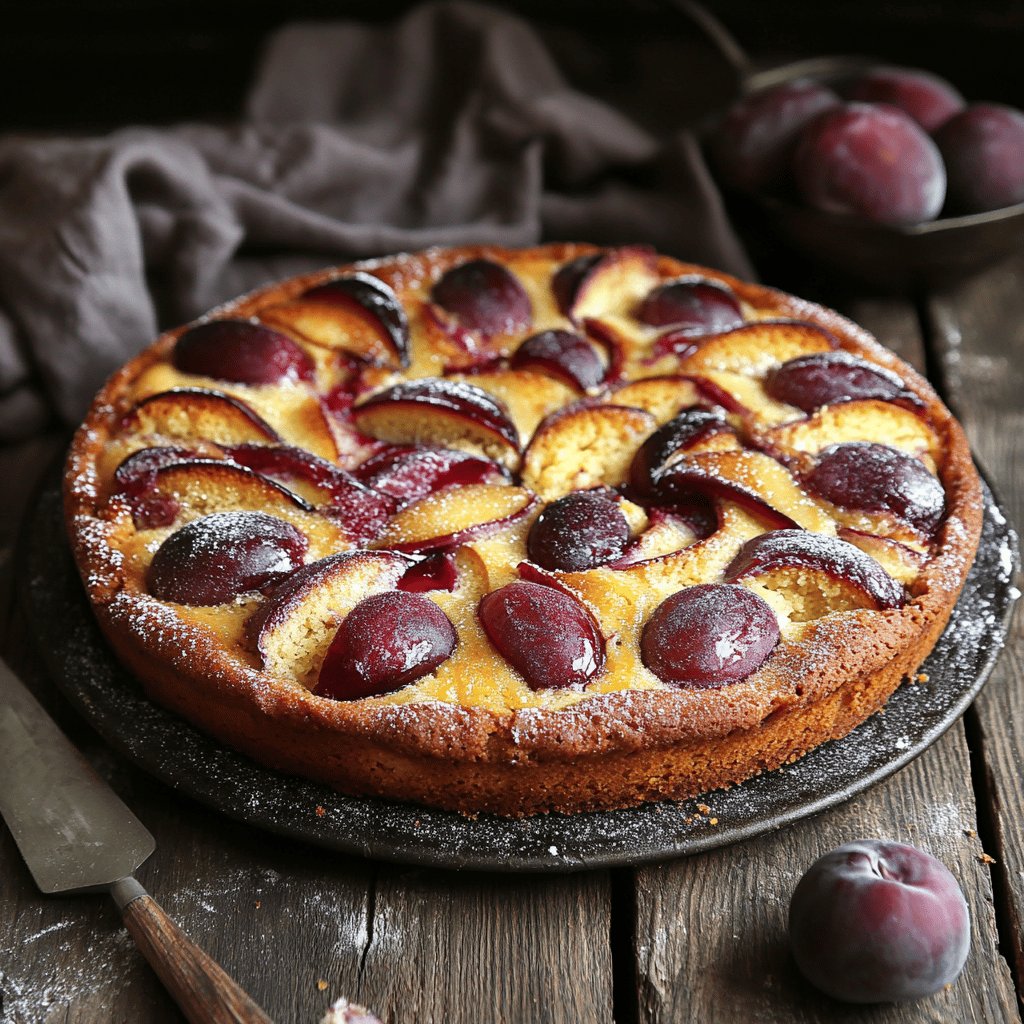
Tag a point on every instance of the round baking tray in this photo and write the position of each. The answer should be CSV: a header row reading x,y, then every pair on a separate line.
x,y
188,761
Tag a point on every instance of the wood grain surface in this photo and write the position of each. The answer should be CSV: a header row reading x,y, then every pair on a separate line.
x,y
701,939
979,345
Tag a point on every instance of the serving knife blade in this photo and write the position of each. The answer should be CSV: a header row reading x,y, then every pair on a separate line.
x,y
76,835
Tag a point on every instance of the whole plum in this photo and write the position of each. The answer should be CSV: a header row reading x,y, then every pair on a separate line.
x,y
928,99
983,147
872,161
753,145
878,921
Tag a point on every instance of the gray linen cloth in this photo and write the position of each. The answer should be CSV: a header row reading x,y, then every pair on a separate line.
x,y
450,126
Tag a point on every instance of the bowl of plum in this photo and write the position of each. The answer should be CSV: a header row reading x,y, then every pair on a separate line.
x,y
886,174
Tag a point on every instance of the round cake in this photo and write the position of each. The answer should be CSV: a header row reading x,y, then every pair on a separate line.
x,y
517,531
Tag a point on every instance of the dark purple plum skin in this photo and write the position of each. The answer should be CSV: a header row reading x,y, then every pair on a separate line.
x,y
692,306
451,395
484,297
408,474
927,98
868,477
385,642
753,145
709,635
376,298
242,352
546,635
561,354
578,531
683,431
824,378
983,147
783,549
215,559
567,280
879,921
871,162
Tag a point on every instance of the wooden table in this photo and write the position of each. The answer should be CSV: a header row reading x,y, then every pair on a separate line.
x,y
701,939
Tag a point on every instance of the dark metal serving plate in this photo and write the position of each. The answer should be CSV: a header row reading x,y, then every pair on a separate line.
x,y
187,760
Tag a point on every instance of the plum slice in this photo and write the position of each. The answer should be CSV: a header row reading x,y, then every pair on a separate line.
x,y
868,477
437,571
435,410
583,446
688,428
191,413
361,509
709,635
544,634
409,474
447,518
879,921
136,476
293,627
219,557
561,354
873,162
802,549
692,306
752,479
613,281
809,382
357,315
370,300
385,642
579,531
241,351
484,297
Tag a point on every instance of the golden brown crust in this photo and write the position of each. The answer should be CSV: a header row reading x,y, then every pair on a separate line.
x,y
609,750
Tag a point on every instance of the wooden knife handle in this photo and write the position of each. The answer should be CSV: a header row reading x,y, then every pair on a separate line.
x,y
199,985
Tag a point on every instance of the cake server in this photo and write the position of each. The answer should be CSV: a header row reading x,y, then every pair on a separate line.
x,y
77,836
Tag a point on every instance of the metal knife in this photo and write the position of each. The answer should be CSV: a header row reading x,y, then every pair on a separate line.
x,y
77,836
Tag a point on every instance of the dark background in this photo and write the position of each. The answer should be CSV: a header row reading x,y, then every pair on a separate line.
x,y
93,64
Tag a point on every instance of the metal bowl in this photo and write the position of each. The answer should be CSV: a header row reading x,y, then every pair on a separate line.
x,y
926,256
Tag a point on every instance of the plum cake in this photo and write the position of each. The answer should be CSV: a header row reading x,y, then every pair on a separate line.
x,y
552,529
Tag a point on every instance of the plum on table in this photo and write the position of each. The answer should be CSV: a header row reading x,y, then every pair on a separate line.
x,y
879,921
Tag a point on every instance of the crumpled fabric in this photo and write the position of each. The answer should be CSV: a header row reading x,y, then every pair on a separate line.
x,y
450,126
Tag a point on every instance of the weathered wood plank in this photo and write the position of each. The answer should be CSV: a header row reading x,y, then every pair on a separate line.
x,y
711,931
464,949
979,337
